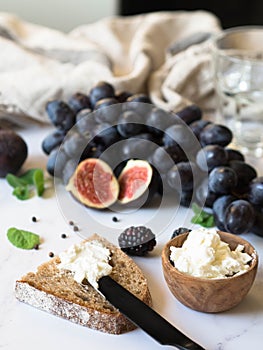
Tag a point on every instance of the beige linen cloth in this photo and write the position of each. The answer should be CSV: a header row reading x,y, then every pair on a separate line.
x,y
165,54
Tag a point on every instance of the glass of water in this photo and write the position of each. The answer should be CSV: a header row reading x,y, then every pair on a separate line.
x,y
238,65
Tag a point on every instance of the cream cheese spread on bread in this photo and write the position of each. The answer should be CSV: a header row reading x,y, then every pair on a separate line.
x,y
204,254
89,260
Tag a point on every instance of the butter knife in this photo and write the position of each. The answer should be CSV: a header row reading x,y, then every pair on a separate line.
x,y
144,316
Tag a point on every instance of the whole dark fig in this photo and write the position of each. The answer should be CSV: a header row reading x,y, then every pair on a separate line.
x,y
13,152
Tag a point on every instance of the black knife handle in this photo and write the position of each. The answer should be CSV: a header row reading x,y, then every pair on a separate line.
x,y
144,316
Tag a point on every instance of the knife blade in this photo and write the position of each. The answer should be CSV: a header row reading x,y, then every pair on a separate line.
x,y
144,316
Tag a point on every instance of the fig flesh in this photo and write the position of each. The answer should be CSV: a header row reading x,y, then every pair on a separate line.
x,y
13,152
134,180
94,184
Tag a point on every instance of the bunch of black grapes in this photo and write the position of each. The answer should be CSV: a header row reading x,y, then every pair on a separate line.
x,y
189,154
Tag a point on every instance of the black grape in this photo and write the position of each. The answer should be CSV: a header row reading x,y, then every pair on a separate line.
x,y
219,208
161,160
239,217
99,91
210,157
215,134
137,148
233,154
245,172
56,162
179,134
198,126
53,140
139,98
122,96
257,227
222,180
130,124
186,198
204,195
105,102
105,134
86,122
255,193
190,114
68,170
79,101
74,145
159,120
60,114
181,176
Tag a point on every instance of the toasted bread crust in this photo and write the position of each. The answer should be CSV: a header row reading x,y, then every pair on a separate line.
x,y
55,291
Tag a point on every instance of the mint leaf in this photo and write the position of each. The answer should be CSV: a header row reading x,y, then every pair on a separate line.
x,y
21,192
24,184
23,239
15,181
38,180
210,222
202,217
28,176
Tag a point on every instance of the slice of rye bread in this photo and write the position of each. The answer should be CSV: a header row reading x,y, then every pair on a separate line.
x,y
55,291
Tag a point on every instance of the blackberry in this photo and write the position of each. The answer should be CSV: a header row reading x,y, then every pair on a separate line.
x,y
179,231
137,240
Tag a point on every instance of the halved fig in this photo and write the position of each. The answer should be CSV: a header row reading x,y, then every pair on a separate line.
x,y
94,184
134,180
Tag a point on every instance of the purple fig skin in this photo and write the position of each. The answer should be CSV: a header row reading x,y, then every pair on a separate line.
x,y
13,152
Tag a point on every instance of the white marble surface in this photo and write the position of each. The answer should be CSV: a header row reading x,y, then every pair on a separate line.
x,y
23,327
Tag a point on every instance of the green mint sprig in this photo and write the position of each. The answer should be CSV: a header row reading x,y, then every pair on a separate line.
x,y
23,239
25,184
202,217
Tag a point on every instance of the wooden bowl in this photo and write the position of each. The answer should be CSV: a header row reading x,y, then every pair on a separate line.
x,y
209,295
